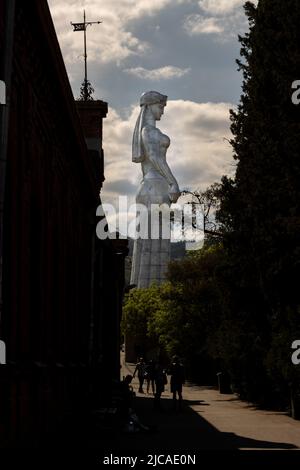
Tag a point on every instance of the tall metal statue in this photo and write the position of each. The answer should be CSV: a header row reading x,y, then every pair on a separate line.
x,y
158,187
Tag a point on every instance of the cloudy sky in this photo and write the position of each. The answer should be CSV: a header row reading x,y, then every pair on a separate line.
x,y
185,49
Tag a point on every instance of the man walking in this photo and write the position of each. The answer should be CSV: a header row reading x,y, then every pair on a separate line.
x,y
177,379
140,369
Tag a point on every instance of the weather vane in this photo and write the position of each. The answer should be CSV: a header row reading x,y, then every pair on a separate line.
x,y
86,88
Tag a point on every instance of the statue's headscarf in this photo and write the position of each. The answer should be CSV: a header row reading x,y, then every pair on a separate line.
x,y
147,98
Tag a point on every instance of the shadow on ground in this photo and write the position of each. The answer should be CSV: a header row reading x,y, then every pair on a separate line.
x,y
174,431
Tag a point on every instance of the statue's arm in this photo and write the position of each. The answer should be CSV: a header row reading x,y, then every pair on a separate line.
x,y
151,144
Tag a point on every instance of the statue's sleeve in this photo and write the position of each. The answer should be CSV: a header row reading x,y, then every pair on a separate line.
x,y
151,142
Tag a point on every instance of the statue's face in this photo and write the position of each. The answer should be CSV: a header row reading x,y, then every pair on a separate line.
x,y
157,110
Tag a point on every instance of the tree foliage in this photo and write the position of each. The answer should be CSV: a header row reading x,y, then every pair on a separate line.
x,y
182,315
260,208
208,202
139,307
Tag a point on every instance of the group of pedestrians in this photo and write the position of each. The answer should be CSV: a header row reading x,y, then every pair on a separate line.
x,y
156,377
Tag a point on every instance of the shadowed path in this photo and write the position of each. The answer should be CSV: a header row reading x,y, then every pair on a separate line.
x,y
211,426
208,421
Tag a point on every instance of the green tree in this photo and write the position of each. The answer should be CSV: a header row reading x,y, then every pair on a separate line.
x,y
182,315
188,319
260,208
139,308
208,202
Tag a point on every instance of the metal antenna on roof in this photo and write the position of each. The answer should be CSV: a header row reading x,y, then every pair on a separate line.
x,y
86,86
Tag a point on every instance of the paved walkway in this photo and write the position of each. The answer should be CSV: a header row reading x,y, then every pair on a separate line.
x,y
208,421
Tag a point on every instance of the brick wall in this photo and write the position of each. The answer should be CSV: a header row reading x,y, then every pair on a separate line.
x,y
56,311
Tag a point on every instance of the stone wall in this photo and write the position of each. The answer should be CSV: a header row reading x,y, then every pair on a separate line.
x,y
62,288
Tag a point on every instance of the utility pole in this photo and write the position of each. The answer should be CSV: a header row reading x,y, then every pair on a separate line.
x,y
82,27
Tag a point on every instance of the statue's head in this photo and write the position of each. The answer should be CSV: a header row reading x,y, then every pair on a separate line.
x,y
153,97
155,102
150,102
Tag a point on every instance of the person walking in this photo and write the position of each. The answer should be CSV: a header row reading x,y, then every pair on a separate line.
x,y
161,380
177,380
140,369
150,376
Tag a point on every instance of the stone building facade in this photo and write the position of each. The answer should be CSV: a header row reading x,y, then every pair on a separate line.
x,y
61,287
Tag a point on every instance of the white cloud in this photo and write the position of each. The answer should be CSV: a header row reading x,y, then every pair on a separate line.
x,y
199,153
220,7
223,27
117,138
111,41
197,24
162,73
223,18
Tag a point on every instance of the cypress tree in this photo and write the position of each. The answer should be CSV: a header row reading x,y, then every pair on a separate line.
x,y
260,208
